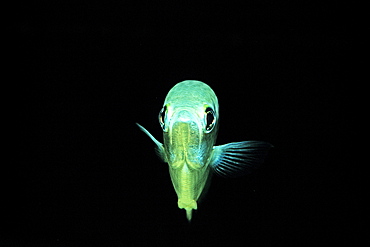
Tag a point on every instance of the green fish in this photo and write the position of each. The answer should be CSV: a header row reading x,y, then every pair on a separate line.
x,y
189,119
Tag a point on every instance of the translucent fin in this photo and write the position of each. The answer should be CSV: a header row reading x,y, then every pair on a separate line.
x,y
159,149
189,212
238,158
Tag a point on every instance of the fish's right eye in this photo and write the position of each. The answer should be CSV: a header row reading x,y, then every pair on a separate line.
x,y
161,117
210,119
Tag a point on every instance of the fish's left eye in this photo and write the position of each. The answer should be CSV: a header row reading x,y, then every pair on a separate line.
x,y
210,119
161,117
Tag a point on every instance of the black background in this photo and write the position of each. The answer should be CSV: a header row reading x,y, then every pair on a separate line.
x,y
84,174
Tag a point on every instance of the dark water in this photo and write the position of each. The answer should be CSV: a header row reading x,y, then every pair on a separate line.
x,y
85,175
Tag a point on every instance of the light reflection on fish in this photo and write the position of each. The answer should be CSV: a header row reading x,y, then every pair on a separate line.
x,y
189,119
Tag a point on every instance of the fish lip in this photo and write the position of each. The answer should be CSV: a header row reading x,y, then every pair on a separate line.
x,y
186,120
185,115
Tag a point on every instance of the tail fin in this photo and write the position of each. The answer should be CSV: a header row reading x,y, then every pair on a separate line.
x,y
189,213
188,205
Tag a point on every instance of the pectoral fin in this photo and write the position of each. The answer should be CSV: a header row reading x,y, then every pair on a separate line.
x,y
159,149
238,158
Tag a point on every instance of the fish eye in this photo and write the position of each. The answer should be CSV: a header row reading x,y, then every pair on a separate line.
x,y
161,116
210,119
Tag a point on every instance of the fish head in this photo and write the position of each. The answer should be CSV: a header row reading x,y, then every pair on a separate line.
x,y
189,133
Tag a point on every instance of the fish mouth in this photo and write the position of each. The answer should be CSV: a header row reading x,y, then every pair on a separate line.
x,y
185,138
185,116
186,129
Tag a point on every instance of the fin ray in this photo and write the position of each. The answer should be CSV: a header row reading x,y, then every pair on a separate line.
x,y
159,149
238,158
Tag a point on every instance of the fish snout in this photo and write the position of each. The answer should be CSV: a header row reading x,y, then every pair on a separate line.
x,y
186,123
185,116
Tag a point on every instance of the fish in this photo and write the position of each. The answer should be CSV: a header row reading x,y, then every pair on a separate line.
x,y
189,119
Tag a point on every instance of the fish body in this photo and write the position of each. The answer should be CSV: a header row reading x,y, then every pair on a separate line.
x,y
189,120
